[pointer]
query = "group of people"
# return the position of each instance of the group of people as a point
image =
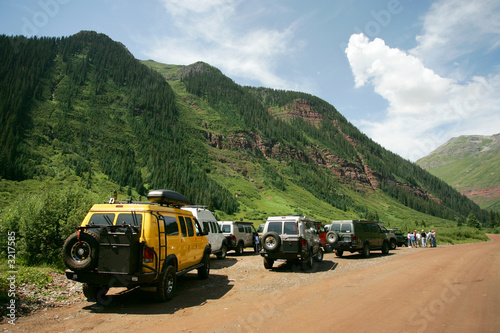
(422, 239)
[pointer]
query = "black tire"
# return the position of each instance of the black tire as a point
(81, 255)
(166, 285)
(328, 248)
(366, 250)
(239, 249)
(204, 272)
(96, 293)
(271, 241)
(332, 237)
(339, 253)
(393, 245)
(318, 257)
(268, 263)
(223, 252)
(309, 262)
(385, 248)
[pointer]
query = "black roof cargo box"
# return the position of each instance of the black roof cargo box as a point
(168, 197)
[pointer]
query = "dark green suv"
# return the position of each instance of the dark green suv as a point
(357, 236)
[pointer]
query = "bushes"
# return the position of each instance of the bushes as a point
(461, 236)
(42, 222)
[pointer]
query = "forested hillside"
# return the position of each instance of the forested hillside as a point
(81, 114)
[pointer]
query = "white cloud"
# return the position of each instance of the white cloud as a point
(211, 31)
(454, 28)
(424, 109)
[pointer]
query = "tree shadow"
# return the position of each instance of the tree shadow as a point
(190, 292)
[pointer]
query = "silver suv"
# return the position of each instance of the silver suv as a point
(291, 238)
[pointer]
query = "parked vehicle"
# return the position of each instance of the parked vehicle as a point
(320, 229)
(357, 236)
(291, 238)
(401, 238)
(211, 229)
(239, 235)
(391, 237)
(125, 245)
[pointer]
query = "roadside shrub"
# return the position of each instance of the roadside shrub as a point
(42, 222)
(461, 235)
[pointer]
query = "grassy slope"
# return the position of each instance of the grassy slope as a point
(467, 163)
(259, 199)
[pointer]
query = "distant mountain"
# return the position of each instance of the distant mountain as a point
(471, 164)
(82, 111)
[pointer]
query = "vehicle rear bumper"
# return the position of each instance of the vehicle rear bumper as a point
(285, 256)
(111, 279)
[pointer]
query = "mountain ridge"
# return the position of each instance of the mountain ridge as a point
(101, 117)
(470, 164)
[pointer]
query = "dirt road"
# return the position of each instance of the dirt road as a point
(443, 289)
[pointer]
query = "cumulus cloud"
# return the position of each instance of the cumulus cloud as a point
(424, 109)
(212, 31)
(452, 29)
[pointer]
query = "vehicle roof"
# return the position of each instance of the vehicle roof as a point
(357, 221)
(137, 207)
(236, 222)
(295, 218)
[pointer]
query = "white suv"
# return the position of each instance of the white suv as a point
(239, 235)
(291, 238)
(211, 229)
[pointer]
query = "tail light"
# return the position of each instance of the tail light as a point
(353, 237)
(149, 254)
(303, 243)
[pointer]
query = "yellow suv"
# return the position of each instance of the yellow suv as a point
(129, 244)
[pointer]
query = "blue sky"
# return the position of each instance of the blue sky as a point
(410, 74)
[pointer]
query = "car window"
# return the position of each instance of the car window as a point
(275, 226)
(335, 227)
(226, 228)
(171, 226)
(129, 219)
(290, 228)
(197, 227)
(346, 227)
(189, 224)
(101, 219)
(206, 225)
(183, 226)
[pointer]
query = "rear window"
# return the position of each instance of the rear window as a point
(101, 219)
(226, 228)
(275, 226)
(335, 227)
(290, 228)
(129, 219)
(346, 227)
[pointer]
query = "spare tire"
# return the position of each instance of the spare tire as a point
(80, 255)
(332, 237)
(271, 241)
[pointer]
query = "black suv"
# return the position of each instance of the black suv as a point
(357, 236)
(291, 238)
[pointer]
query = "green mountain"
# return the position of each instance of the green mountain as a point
(82, 112)
(471, 165)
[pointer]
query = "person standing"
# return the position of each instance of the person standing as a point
(433, 238)
(423, 237)
(256, 242)
(412, 238)
(417, 239)
(409, 239)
